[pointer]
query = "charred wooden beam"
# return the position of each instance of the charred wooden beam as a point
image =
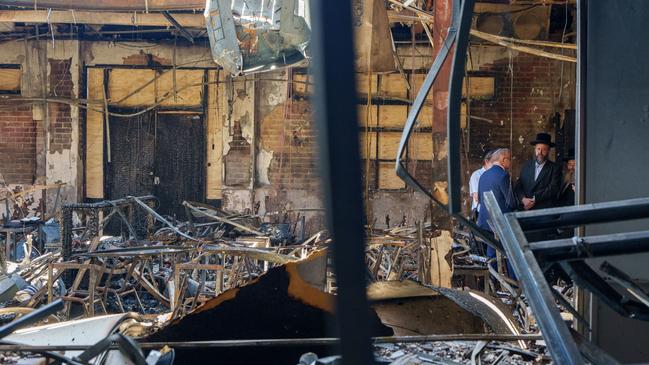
(101, 18)
(128, 5)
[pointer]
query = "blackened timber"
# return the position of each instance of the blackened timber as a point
(179, 27)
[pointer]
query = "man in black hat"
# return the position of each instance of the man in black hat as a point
(567, 191)
(540, 179)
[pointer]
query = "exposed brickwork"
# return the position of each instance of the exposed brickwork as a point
(17, 143)
(531, 103)
(237, 161)
(60, 120)
(289, 132)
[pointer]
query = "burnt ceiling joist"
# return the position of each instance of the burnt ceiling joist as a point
(111, 5)
(100, 18)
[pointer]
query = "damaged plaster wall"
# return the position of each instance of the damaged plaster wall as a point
(62, 164)
(288, 134)
(238, 143)
(54, 69)
(270, 152)
(56, 153)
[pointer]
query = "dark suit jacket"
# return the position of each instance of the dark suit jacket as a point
(545, 188)
(566, 195)
(497, 180)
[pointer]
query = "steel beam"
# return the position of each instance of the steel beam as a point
(178, 26)
(585, 277)
(454, 108)
(582, 214)
(554, 330)
(578, 248)
(627, 283)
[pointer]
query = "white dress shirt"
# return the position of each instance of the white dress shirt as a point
(538, 169)
(473, 185)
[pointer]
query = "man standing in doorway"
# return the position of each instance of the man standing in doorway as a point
(540, 179)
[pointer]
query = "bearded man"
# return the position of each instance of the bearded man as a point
(540, 179)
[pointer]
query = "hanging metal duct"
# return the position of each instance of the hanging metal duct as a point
(248, 36)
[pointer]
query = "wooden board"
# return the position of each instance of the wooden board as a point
(196, 20)
(416, 81)
(388, 145)
(388, 178)
(10, 79)
(95, 137)
(425, 117)
(123, 82)
(420, 146)
(441, 269)
(393, 85)
(214, 142)
(364, 83)
(365, 138)
(393, 116)
(188, 88)
(302, 84)
(463, 115)
(363, 120)
(421, 59)
(479, 87)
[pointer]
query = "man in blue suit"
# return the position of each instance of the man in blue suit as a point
(498, 181)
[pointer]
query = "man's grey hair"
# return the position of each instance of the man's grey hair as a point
(498, 153)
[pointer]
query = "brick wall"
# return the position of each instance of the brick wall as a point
(237, 161)
(17, 143)
(530, 103)
(289, 132)
(60, 121)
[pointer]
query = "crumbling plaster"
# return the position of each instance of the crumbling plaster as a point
(65, 166)
(52, 166)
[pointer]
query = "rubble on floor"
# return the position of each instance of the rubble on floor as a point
(458, 352)
(222, 276)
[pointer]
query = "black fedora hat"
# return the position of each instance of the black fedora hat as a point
(543, 138)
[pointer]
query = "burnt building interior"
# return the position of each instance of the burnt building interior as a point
(314, 182)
